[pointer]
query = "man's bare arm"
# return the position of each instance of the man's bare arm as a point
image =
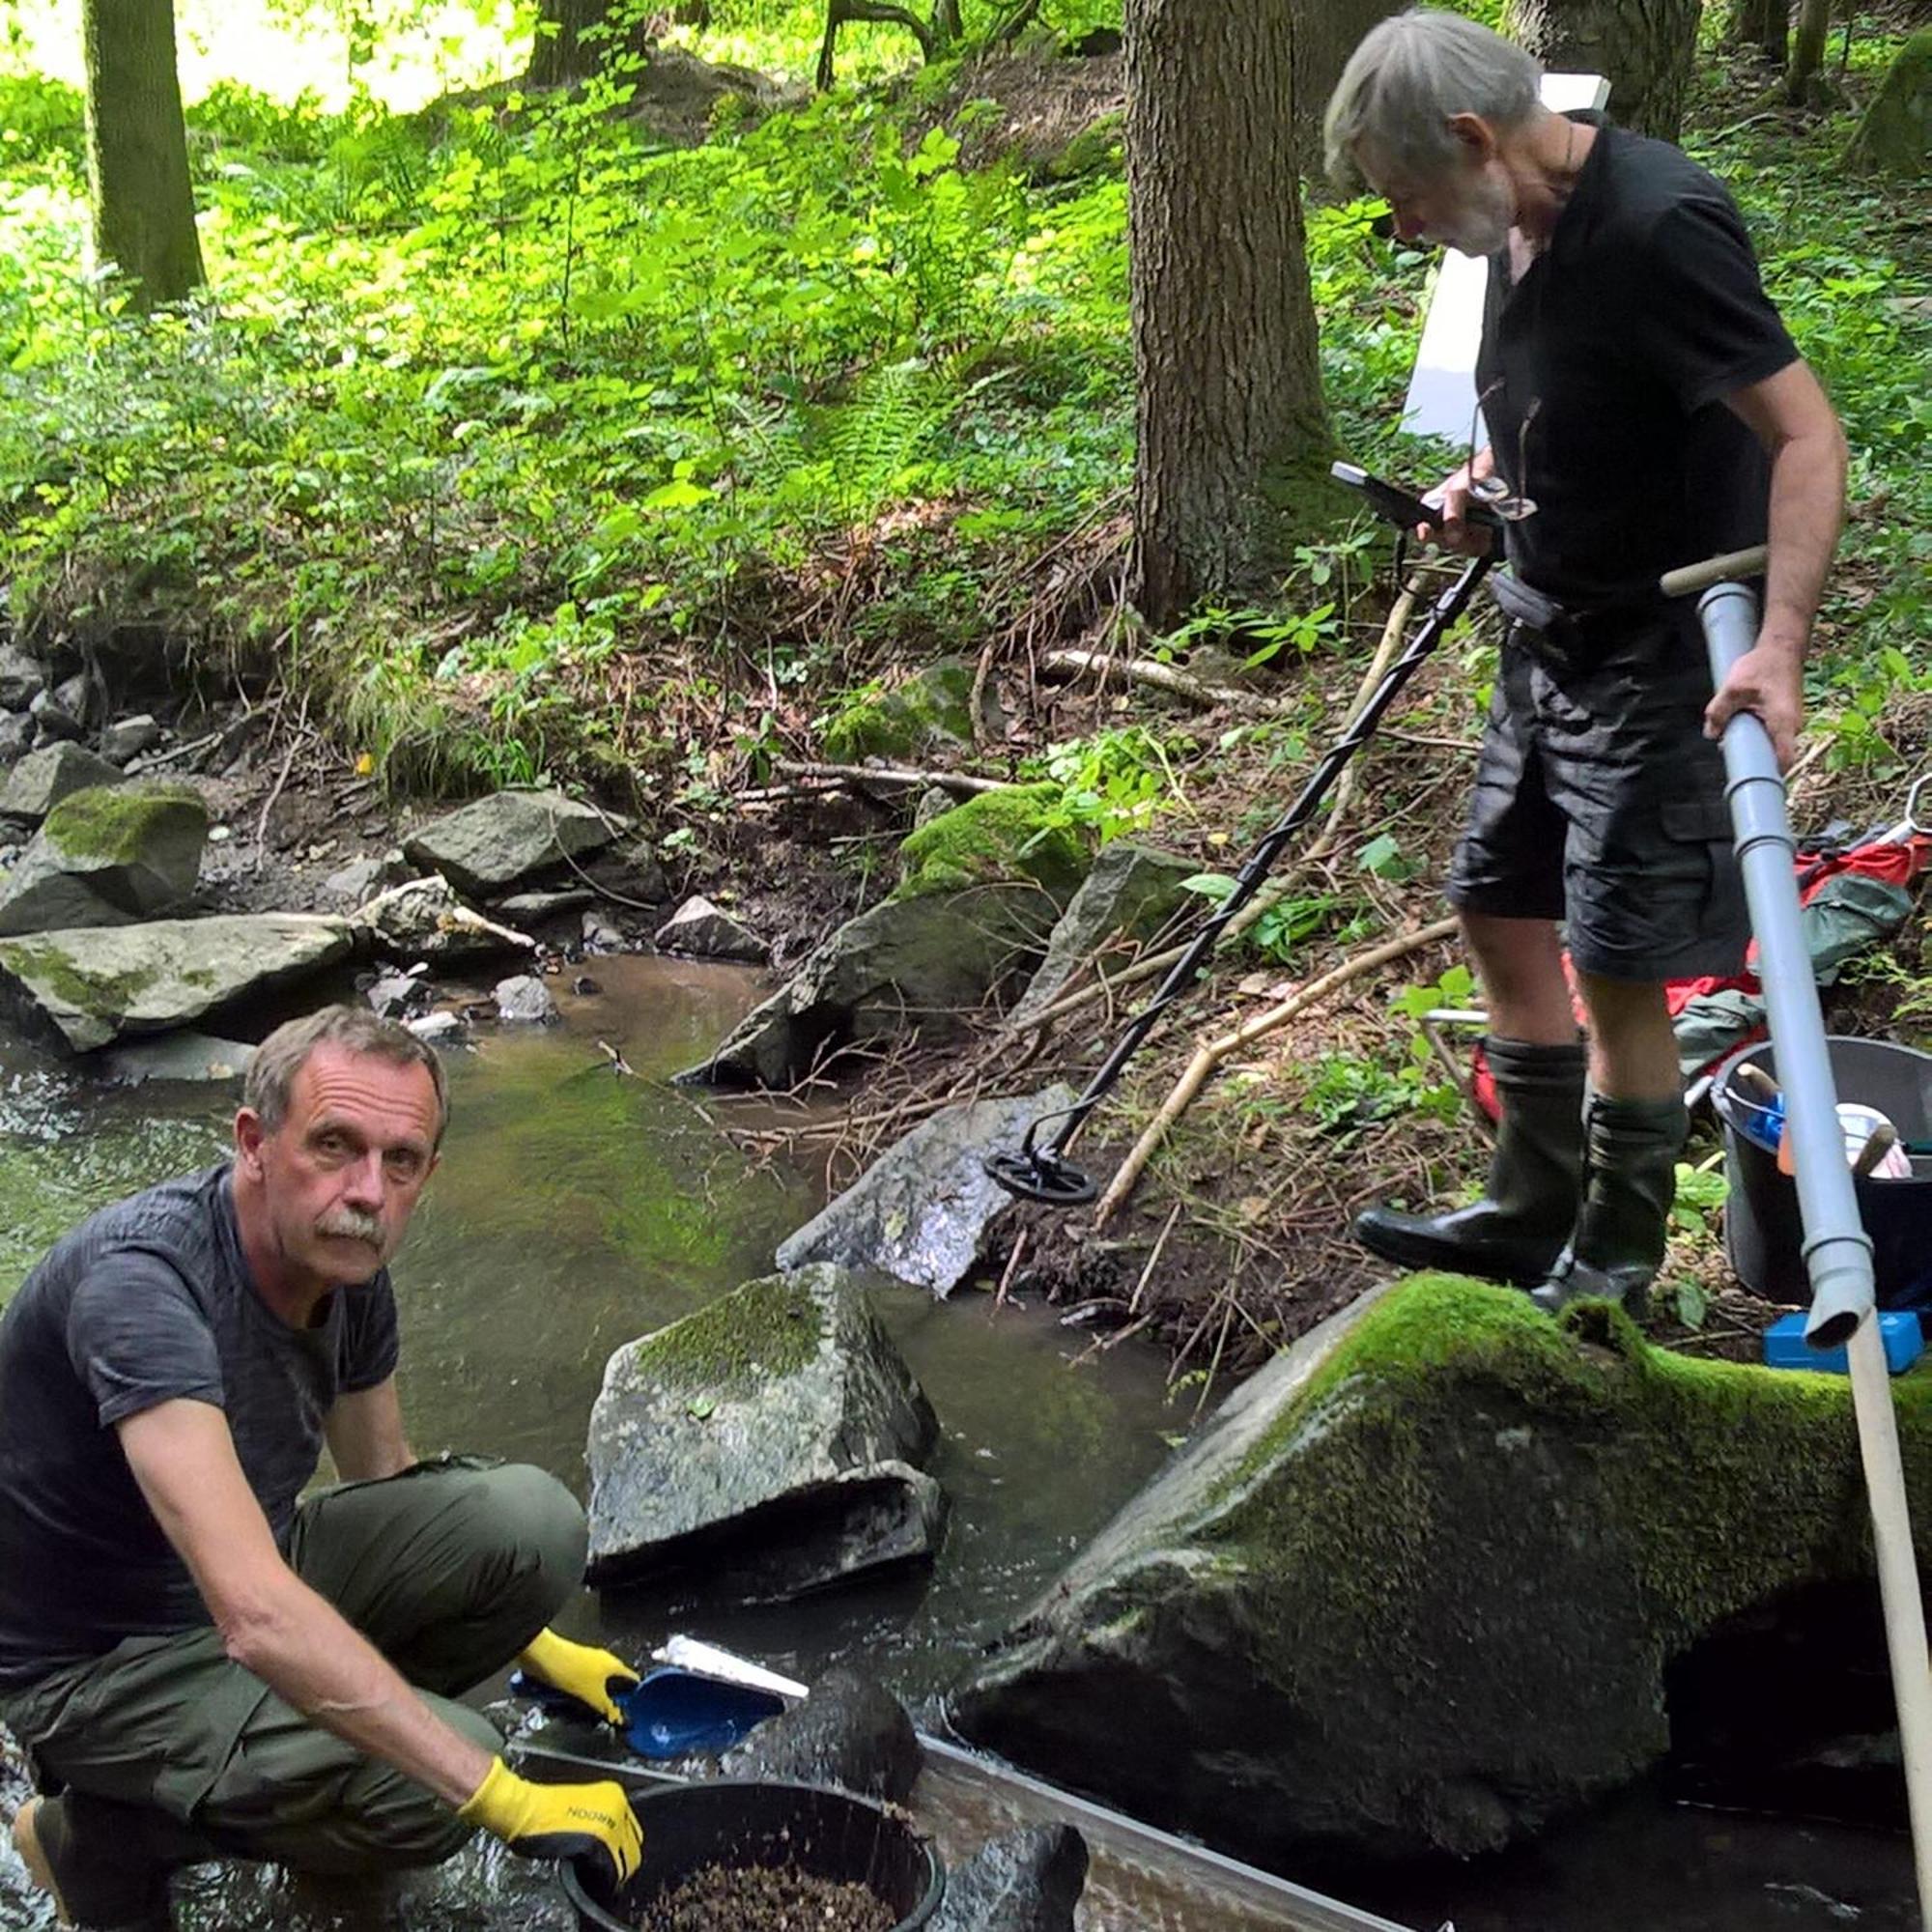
(271, 1623)
(365, 1435)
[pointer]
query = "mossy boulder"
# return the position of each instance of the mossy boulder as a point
(997, 838)
(1894, 133)
(769, 1442)
(107, 855)
(1416, 1587)
(932, 710)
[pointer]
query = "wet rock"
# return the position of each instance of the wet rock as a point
(850, 1732)
(921, 1211)
(22, 678)
(600, 936)
(532, 908)
(95, 984)
(425, 919)
(76, 697)
(699, 930)
(584, 987)
(440, 1029)
(398, 996)
(1132, 890)
(1418, 1585)
(52, 719)
(17, 736)
(1029, 1881)
(631, 870)
(108, 855)
(180, 1056)
(44, 778)
(1894, 133)
(526, 1001)
(484, 848)
(128, 738)
(767, 1442)
(352, 884)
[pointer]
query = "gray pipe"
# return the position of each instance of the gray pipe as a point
(1837, 1250)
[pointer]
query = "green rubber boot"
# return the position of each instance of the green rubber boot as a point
(1631, 1150)
(1517, 1231)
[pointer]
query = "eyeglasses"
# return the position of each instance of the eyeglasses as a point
(1492, 490)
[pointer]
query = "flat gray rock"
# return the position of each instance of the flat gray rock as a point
(484, 848)
(44, 778)
(95, 984)
(526, 1001)
(179, 1056)
(921, 1211)
(767, 1442)
(700, 930)
(528, 908)
(129, 738)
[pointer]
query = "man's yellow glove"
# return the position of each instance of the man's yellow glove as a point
(590, 1675)
(558, 1820)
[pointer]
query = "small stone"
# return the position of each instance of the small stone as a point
(440, 1029)
(584, 987)
(129, 738)
(600, 935)
(22, 678)
(17, 736)
(53, 719)
(524, 1001)
(218, 834)
(699, 930)
(397, 995)
(528, 908)
(76, 696)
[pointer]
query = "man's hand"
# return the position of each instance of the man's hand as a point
(590, 1675)
(1452, 497)
(558, 1820)
(1768, 680)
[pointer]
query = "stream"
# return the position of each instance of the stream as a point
(576, 1209)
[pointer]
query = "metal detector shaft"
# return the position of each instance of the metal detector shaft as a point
(1045, 1159)
(1837, 1251)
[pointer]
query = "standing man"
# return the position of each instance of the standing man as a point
(197, 1664)
(1642, 393)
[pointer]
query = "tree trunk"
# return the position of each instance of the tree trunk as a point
(1802, 79)
(137, 150)
(1763, 24)
(561, 54)
(1646, 47)
(1228, 389)
(1326, 36)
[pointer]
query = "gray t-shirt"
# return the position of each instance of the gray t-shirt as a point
(149, 1300)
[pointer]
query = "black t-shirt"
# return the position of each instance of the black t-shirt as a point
(1602, 374)
(146, 1301)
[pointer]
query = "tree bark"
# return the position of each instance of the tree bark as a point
(143, 203)
(839, 11)
(1326, 36)
(1646, 47)
(1228, 389)
(1764, 24)
(560, 55)
(1808, 51)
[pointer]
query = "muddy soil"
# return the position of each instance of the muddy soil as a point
(722, 1900)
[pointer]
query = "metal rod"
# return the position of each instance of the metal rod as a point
(1261, 861)
(1837, 1251)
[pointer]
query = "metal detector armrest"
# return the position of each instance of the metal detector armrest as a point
(1404, 507)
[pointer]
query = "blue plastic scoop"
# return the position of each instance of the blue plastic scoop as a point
(669, 1713)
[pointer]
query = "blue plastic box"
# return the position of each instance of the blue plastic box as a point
(1898, 1328)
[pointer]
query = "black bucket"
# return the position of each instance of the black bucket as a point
(739, 1823)
(1763, 1235)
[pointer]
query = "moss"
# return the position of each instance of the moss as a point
(113, 823)
(1895, 135)
(934, 708)
(1098, 148)
(998, 838)
(109, 995)
(1719, 1483)
(763, 1332)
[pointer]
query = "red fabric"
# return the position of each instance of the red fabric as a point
(1897, 863)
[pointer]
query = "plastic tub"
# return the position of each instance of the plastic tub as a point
(1763, 1235)
(744, 1823)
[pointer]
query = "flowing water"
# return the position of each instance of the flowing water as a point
(576, 1209)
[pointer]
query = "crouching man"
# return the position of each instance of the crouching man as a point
(196, 1663)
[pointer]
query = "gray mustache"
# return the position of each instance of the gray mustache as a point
(356, 1225)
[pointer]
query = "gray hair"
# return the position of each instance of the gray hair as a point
(1406, 80)
(271, 1073)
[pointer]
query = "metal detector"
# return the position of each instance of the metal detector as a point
(1040, 1170)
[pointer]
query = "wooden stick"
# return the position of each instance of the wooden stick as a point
(1162, 678)
(865, 775)
(1207, 1057)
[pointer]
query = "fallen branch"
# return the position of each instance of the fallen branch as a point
(1209, 1057)
(1162, 678)
(862, 776)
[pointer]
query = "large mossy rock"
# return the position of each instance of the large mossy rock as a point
(485, 848)
(99, 984)
(982, 888)
(769, 1443)
(1894, 133)
(932, 710)
(108, 855)
(1416, 1587)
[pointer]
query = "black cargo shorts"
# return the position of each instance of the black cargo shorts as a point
(1599, 802)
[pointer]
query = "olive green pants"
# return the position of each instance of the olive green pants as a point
(164, 1752)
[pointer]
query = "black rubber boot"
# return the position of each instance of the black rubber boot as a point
(98, 1871)
(1515, 1232)
(1631, 1150)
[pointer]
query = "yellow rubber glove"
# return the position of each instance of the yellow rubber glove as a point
(558, 1820)
(590, 1675)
